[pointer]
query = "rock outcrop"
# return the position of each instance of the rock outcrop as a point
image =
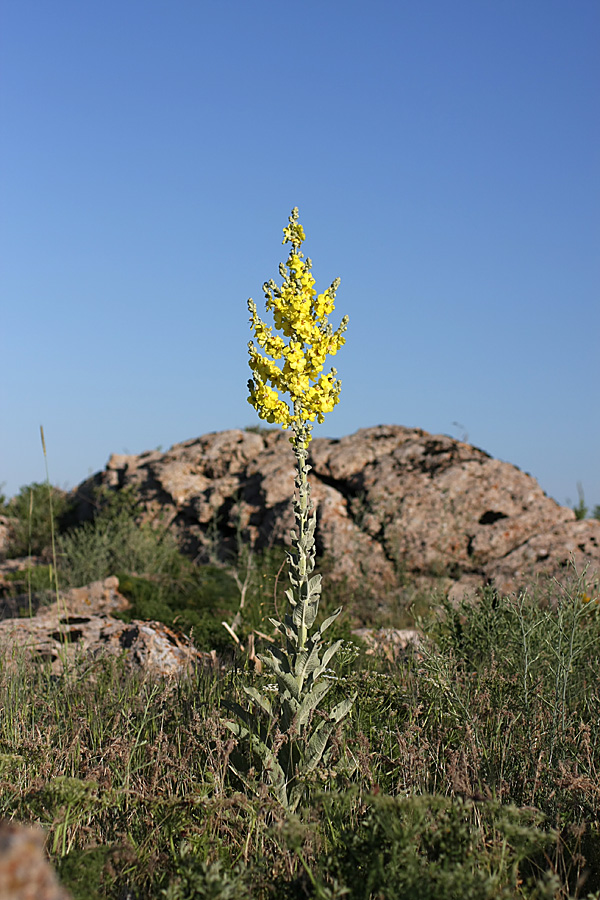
(25, 873)
(82, 624)
(392, 503)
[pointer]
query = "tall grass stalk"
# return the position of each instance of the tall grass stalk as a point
(29, 561)
(51, 509)
(65, 612)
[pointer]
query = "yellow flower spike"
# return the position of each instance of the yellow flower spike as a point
(306, 339)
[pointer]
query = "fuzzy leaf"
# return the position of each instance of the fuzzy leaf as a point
(331, 651)
(269, 760)
(309, 668)
(311, 701)
(286, 680)
(316, 745)
(280, 668)
(306, 612)
(287, 630)
(314, 585)
(300, 665)
(252, 725)
(278, 659)
(298, 614)
(312, 609)
(259, 698)
(237, 729)
(325, 624)
(288, 689)
(313, 661)
(338, 712)
(274, 772)
(318, 671)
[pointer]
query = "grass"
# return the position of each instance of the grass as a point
(470, 769)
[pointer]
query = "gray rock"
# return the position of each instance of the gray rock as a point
(393, 504)
(81, 624)
(25, 873)
(393, 643)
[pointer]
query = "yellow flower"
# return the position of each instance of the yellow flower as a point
(300, 314)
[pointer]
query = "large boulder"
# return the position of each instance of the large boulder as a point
(392, 504)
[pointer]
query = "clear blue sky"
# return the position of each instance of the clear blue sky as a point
(445, 160)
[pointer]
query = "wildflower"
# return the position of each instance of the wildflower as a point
(302, 316)
(294, 748)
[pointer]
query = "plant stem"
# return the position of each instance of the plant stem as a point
(302, 556)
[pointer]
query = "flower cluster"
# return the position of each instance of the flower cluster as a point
(300, 314)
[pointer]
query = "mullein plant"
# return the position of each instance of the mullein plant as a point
(289, 732)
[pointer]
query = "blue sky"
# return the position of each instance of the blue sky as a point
(444, 157)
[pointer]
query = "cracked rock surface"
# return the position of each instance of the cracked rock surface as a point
(392, 503)
(82, 624)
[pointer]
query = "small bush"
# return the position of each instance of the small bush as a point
(30, 509)
(114, 542)
(545, 643)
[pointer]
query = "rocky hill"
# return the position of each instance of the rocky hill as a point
(392, 503)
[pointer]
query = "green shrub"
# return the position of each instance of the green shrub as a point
(196, 879)
(431, 848)
(34, 583)
(86, 872)
(114, 542)
(30, 509)
(533, 636)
